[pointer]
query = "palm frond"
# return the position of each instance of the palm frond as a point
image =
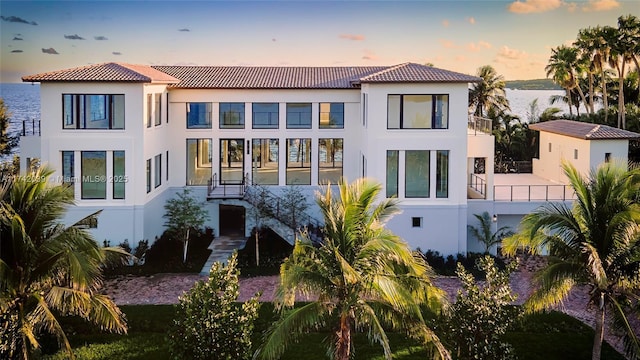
(620, 321)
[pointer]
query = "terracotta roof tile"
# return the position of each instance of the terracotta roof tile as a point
(583, 130)
(410, 72)
(113, 72)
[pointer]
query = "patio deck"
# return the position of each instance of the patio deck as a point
(528, 187)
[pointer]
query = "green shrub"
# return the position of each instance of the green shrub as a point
(482, 315)
(209, 322)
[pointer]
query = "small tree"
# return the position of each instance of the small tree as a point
(485, 233)
(295, 204)
(481, 315)
(7, 142)
(184, 213)
(261, 200)
(210, 324)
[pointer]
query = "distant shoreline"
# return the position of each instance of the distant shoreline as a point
(536, 84)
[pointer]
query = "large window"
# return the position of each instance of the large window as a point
(199, 115)
(265, 115)
(119, 177)
(92, 111)
(392, 173)
(442, 173)
(157, 114)
(68, 165)
(198, 161)
(298, 161)
(231, 161)
(157, 170)
(94, 174)
(265, 161)
(417, 112)
(231, 115)
(299, 116)
(416, 174)
(330, 152)
(331, 115)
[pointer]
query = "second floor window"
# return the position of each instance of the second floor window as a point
(231, 115)
(299, 116)
(265, 115)
(418, 112)
(92, 111)
(198, 115)
(331, 115)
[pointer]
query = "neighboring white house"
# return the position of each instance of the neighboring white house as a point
(127, 137)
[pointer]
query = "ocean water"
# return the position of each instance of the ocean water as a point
(23, 102)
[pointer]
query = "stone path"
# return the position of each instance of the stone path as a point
(221, 248)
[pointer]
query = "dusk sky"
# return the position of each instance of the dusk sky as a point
(515, 37)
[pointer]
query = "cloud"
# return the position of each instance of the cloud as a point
(100, 37)
(369, 55)
(471, 20)
(445, 23)
(274, 39)
(184, 30)
(508, 53)
(50, 51)
(16, 51)
(473, 47)
(461, 58)
(533, 6)
(116, 53)
(354, 37)
(16, 19)
(601, 5)
(73, 37)
(15, 38)
(447, 44)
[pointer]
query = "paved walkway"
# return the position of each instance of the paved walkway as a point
(221, 248)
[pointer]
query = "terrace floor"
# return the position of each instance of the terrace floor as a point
(528, 187)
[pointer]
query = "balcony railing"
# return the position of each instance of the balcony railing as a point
(533, 193)
(30, 128)
(227, 189)
(479, 126)
(478, 184)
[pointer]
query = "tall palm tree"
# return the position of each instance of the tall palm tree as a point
(364, 277)
(563, 66)
(489, 93)
(601, 57)
(587, 44)
(595, 243)
(624, 50)
(47, 269)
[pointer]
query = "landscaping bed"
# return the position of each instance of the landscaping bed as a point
(545, 336)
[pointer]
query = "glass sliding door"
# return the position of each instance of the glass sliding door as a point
(231, 161)
(265, 161)
(329, 161)
(298, 161)
(198, 161)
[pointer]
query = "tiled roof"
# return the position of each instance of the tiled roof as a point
(255, 77)
(268, 77)
(583, 130)
(112, 72)
(410, 72)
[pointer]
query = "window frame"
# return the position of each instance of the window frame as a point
(442, 194)
(397, 174)
(434, 121)
(222, 115)
(208, 114)
(91, 177)
(330, 112)
(320, 167)
(118, 178)
(66, 177)
(308, 143)
(157, 171)
(300, 125)
(80, 104)
(200, 164)
(260, 143)
(271, 125)
(406, 172)
(148, 173)
(157, 105)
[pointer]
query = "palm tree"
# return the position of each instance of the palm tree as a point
(601, 57)
(489, 93)
(365, 278)
(47, 268)
(587, 44)
(485, 233)
(562, 67)
(595, 243)
(624, 50)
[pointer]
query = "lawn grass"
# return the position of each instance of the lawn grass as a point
(546, 336)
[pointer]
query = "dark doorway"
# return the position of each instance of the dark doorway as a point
(232, 220)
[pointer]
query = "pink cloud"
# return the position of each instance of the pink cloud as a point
(508, 53)
(601, 5)
(533, 6)
(354, 37)
(445, 23)
(447, 43)
(471, 20)
(369, 55)
(473, 47)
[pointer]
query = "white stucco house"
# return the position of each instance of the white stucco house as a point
(127, 137)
